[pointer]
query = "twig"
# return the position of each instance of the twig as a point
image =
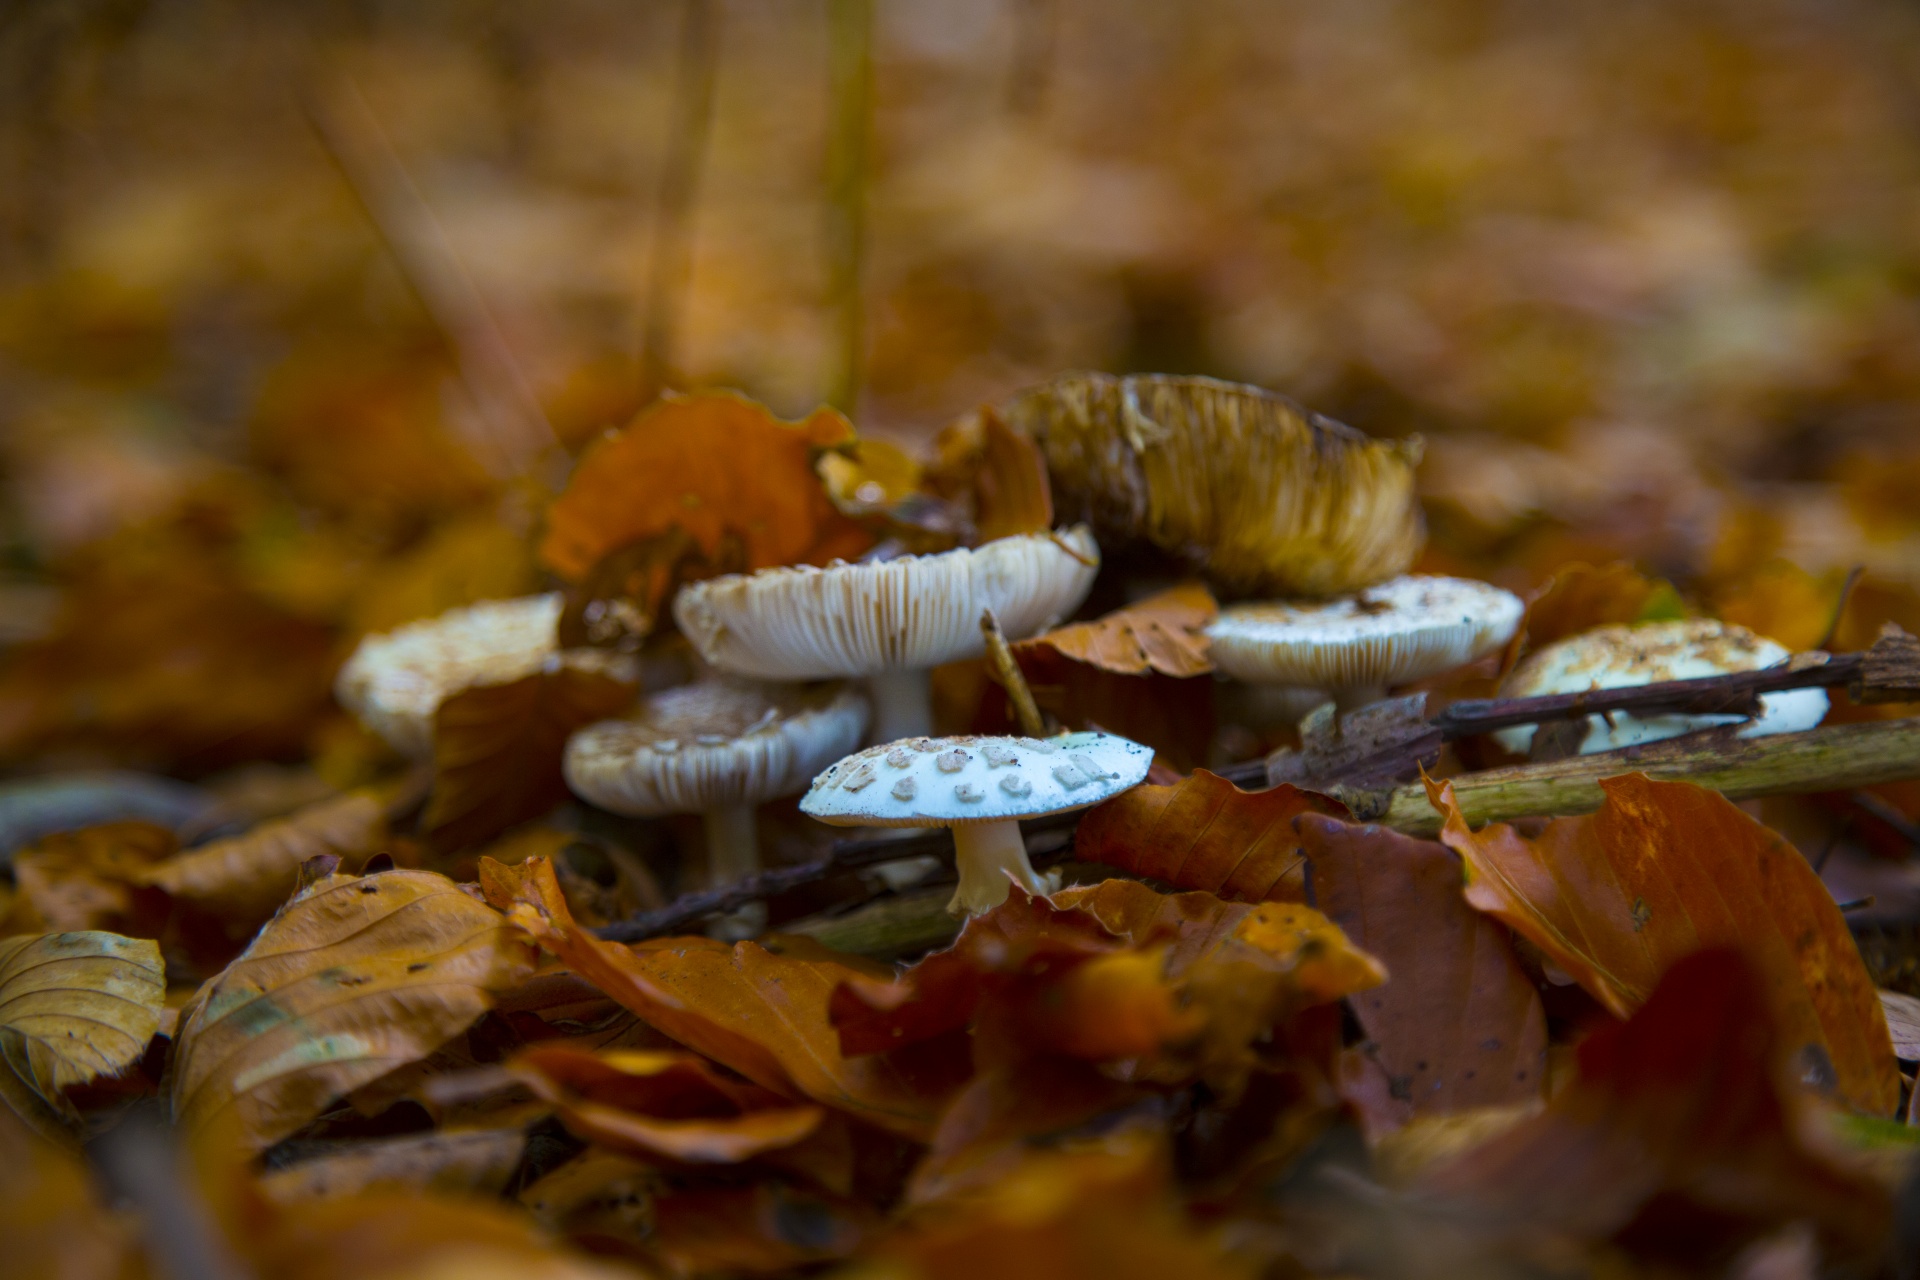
(688, 131)
(850, 57)
(1840, 606)
(1007, 674)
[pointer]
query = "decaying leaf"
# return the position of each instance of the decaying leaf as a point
(715, 464)
(1663, 869)
(73, 1007)
(477, 1161)
(88, 879)
(242, 880)
(497, 749)
(1165, 633)
(1205, 833)
(355, 977)
(1239, 484)
(759, 1011)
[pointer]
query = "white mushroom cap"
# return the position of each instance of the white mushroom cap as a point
(1404, 629)
(714, 744)
(913, 612)
(1619, 657)
(394, 681)
(950, 782)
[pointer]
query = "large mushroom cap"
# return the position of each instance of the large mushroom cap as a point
(912, 612)
(947, 782)
(1620, 657)
(713, 744)
(395, 680)
(1401, 630)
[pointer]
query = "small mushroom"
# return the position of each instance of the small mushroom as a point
(1402, 630)
(396, 680)
(717, 748)
(1623, 656)
(888, 620)
(981, 787)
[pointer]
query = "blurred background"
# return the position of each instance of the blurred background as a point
(291, 296)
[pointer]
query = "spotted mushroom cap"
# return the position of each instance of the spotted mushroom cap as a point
(806, 623)
(1404, 629)
(1620, 657)
(713, 744)
(395, 680)
(946, 782)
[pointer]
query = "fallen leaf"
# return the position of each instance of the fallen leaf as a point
(479, 1161)
(1678, 1138)
(1238, 484)
(715, 464)
(51, 1216)
(354, 978)
(759, 1011)
(88, 879)
(1663, 869)
(243, 880)
(1165, 633)
(879, 482)
(1175, 715)
(766, 1228)
(623, 598)
(1580, 597)
(74, 1007)
(1458, 1024)
(465, 560)
(1205, 833)
(1783, 602)
(497, 749)
(1011, 493)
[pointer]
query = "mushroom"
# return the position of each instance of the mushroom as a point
(1621, 656)
(1405, 629)
(395, 681)
(981, 787)
(888, 620)
(716, 748)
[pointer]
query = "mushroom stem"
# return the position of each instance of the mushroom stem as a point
(902, 704)
(733, 845)
(986, 852)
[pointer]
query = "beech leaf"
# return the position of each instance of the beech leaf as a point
(1165, 633)
(1662, 870)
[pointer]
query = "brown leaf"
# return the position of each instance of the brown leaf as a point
(1174, 715)
(1165, 633)
(1457, 1024)
(1011, 494)
(479, 1161)
(879, 482)
(74, 1007)
(472, 558)
(623, 598)
(1662, 870)
(1679, 1136)
(1205, 833)
(1238, 484)
(715, 464)
(497, 749)
(242, 880)
(765, 1228)
(1580, 597)
(88, 879)
(759, 1011)
(357, 976)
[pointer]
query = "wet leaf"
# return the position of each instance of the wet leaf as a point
(1164, 633)
(497, 749)
(354, 978)
(74, 1007)
(715, 464)
(1236, 483)
(1457, 1024)
(1205, 833)
(1664, 869)
(758, 1011)
(88, 879)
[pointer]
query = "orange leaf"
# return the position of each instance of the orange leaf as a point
(1783, 602)
(624, 596)
(1205, 833)
(1663, 869)
(1679, 1117)
(87, 879)
(1010, 490)
(761, 1012)
(497, 749)
(1163, 633)
(1580, 597)
(714, 464)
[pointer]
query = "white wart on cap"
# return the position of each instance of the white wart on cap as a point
(981, 787)
(890, 619)
(1405, 629)
(395, 681)
(1621, 657)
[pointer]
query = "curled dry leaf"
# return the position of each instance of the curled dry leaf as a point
(1205, 833)
(73, 1007)
(497, 749)
(759, 1011)
(1239, 484)
(356, 977)
(89, 879)
(714, 464)
(1165, 633)
(1664, 868)
(243, 879)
